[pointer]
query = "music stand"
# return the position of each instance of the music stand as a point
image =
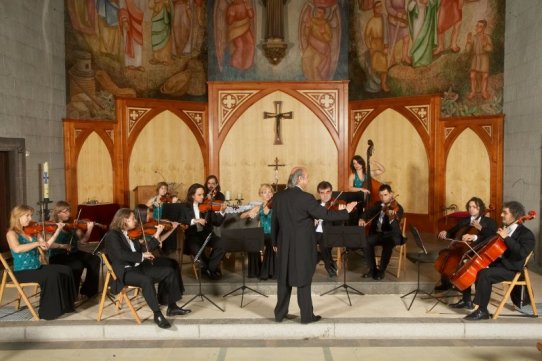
(345, 237)
(198, 263)
(242, 240)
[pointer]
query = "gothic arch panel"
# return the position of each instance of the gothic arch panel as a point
(94, 171)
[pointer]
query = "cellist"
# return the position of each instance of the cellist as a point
(475, 229)
(520, 243)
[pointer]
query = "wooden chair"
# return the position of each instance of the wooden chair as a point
(121, 296)
(10, 281)
(398, 256)
(521, 278)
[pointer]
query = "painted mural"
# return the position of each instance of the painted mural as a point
(415, 47)
(133, 48)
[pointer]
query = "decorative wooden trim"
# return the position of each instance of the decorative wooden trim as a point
(133, 115)
(423, 114)
(229, 101)
(198, 119)
(358, 117)
(327, 101)
(448, 131)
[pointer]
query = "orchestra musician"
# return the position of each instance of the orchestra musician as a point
(325, 190)
(385, 231)
(131, 263)
(160, 234)
(212, 189)
(200, 218)
(520, 243)
(292, 232)
(358, 182)
(474, 229)
(65, 250)
(263, 269)
(56, 281)
(162, 196)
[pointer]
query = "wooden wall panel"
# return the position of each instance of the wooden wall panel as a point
(95, 171)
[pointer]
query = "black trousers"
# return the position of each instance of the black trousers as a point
(325, 252)
(78, 261)
(388, 241)
(304, 299)
(146, 275)
(193, 244)
(486, 278)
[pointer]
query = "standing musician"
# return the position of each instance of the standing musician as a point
(212, 189)
(65, 250)
(520, 243)
(474, 229)
(162, 196)
(128, 259)
(385, 231)
(200, 218)
(325, 190)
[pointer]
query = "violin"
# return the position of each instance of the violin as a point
(210, 205)
(167, 198)
(82, 224)
(333, 204)
(34, 228)
(393, 206)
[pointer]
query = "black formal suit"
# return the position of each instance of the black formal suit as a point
(325, 252)
(519, 245)
(384, 232)
(292, 231)
(194, 238)
(145, 274)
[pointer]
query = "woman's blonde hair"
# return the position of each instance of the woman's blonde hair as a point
(60, 206)
(16, 213)
(264, 187)
(119, 219)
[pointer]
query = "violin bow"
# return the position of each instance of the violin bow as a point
(335, 200)
(75, 222)
(143, 234)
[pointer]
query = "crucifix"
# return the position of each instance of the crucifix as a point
(276, 165)
(278, 116)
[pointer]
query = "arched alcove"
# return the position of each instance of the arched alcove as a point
(94, 171)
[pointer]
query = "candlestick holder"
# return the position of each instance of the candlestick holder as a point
(239, 201)
(44, 208)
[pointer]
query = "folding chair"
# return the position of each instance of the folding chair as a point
(121, 296)
(521, 278)
(399, 253)
(13, 283)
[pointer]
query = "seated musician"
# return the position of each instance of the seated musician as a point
(325, 190)
(256, 267)
(200, 226)
(385, 231)
(132, 265)
(520, 243)
(212, 189)
(160, 234)
(66, 251)
(474, 229)
(162, 196)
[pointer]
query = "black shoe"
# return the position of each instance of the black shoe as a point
(369, 274)
(331, 272)
(161, 321)
(462, 304)
(443, 287)
(213, 275)
(477, 315)
(378, 275)
(177, 311)
(314, 318)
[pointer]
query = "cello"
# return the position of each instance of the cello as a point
(465, 276)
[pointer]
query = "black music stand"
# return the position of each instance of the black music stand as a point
(242, 240)
(345, 237)
(198, 263)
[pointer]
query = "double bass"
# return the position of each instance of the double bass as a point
(493, 249)
(370, 183)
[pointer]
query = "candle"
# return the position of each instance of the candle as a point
(239, 196)
(227, 195)
(46, 180)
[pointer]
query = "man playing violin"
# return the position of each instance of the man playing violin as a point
(384, 218)
(212, 189)
(200, 218)
(325, 190)
(66, 251)
(520, 243)
(474, 229)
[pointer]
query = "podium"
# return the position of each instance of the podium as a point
(345, 237)
(141, 194)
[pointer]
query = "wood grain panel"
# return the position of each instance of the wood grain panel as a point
(94, 171)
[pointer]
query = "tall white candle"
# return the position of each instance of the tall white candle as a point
(46, 180)
(227, 195)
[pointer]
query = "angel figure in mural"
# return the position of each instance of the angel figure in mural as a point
(480, 46)
(422, 24)
(108, 26)
(161, 23)
(450, 15)
(234, 23)
(377, 50)
(131, 16)
(320, 38)
(398, 30)
(182, 27)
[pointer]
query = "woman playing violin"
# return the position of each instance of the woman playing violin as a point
(256, 268)
(520, 243)
(162, 196)
(66, 251)
(56, 281)
(200, 225)
(212, 189)
(153, 241)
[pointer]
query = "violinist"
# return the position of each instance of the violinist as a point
(263, 269)
(520, 243)
(56, 281)
(201, 218)
(325, 190)
(212, 189)
(66, 251)
(128, 261)
(162, 196)
(154, 243)
(475, 229)
(384, 219)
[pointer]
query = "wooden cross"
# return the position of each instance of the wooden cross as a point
(276, 165)
(278, 116)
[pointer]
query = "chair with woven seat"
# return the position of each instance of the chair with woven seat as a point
(521, 278)
(121, 297)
